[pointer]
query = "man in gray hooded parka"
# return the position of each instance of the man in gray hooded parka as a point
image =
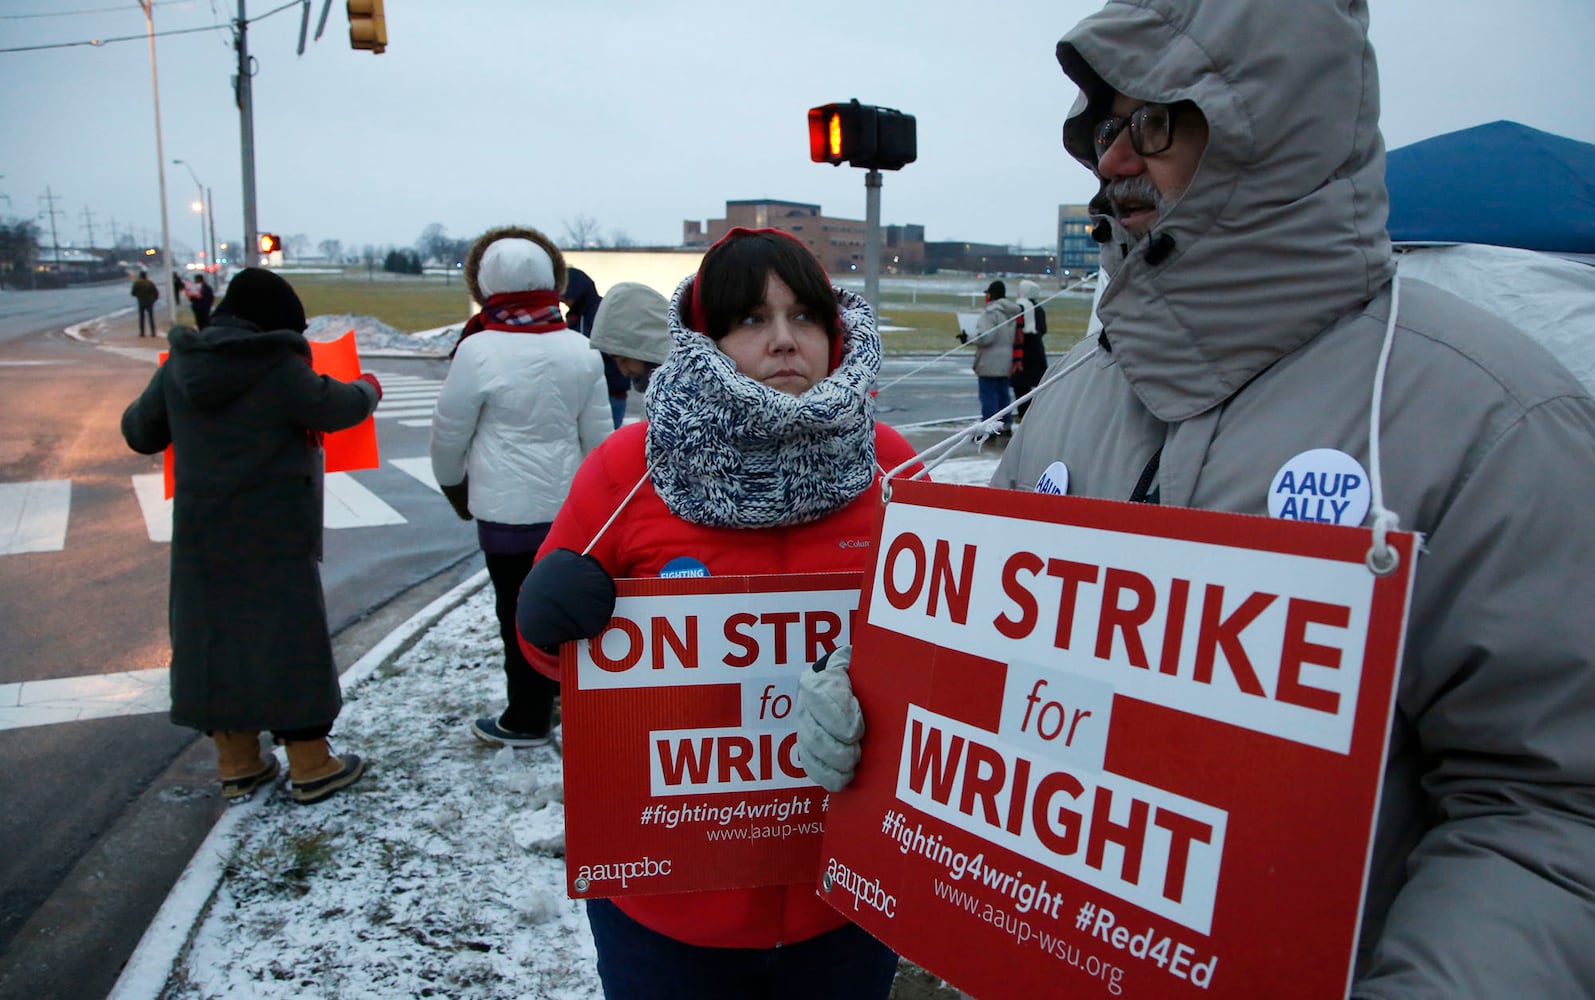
(1250, 302)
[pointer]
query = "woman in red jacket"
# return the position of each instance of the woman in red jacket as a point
(759, 457)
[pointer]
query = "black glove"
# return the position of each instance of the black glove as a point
(459, 497)
(566, 596)
(963, 338)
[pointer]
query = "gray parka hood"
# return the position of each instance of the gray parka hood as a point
(633, 322)
(1282, 229)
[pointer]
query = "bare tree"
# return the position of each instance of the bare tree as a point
(332, 250)
(621, 240)
(434, 243)
(582, 232)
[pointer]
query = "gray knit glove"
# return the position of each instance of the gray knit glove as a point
(829, 723)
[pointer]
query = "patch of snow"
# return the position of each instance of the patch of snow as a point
(372, 335)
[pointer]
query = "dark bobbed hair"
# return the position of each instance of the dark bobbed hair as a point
(730, 282)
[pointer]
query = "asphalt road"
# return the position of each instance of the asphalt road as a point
(100, 816)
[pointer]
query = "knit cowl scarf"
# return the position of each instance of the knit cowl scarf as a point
(727, 451)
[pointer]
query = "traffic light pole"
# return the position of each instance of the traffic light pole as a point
(872, 239)
(246, 131)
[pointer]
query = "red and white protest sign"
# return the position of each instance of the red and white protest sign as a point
(681, 762)
(1116, 749)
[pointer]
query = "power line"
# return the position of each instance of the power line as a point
(96, 10)
(99, 42)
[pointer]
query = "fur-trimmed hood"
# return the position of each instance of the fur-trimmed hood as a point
(473, 259)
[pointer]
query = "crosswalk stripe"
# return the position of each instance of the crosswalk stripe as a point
(420, 468)
(416, 423)
(157, 509)
(405, 412)
(73, 699)
(33, 516)
(350, 505)
(347, 505)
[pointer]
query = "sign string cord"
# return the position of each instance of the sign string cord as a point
(1382, 559)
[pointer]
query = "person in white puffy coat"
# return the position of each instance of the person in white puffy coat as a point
(524, 402)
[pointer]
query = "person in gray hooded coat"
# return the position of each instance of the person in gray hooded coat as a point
(1250, 302)
(632, 328)
(244, 413)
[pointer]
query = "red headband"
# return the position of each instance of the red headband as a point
(695, 302)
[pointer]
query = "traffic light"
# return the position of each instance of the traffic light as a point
(862, 135)
(368, 28)
(270, 243)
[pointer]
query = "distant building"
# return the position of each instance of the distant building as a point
(1077, 251)
(837, 243)
(985, 258)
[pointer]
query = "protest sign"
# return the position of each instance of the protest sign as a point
(1116, 749)
(346, 450)
(681, 764)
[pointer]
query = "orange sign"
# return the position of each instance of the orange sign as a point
(345, 450)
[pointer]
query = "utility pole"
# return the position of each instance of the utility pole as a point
(160, 165)
(872, 239)
(52, 212)
(88, 223)
(246, 131)
(210, 210)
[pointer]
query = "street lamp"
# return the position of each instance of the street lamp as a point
(202, 206)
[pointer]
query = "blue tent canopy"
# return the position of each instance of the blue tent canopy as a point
(1503, 184)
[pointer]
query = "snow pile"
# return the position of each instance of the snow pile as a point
(372, 335)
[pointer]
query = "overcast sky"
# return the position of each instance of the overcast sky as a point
(640, 115)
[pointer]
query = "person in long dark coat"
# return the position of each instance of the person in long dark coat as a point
(245, 413)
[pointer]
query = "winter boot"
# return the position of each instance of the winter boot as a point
(314, 772)
(240, 764)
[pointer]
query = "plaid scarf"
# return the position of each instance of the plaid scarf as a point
(515, 312)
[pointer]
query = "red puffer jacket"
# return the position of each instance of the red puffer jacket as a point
(647, 540)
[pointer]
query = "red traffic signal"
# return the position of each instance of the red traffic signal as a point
(862, 135)
(270, 243)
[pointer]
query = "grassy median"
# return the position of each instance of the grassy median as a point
(918, 321)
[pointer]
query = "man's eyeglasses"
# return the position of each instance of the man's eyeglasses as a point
(1151, 130)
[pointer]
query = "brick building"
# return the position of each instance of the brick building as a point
(837, 243)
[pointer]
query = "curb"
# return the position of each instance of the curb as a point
(149, 968)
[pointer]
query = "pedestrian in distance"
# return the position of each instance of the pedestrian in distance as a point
(244, 412)
(1253, 317)
(582, 300)
(759, 456)
(632, 327)
(1032, 326)
(145, 292)
(998, 348)
(200, 299)
(179, 288)
(523, 403)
